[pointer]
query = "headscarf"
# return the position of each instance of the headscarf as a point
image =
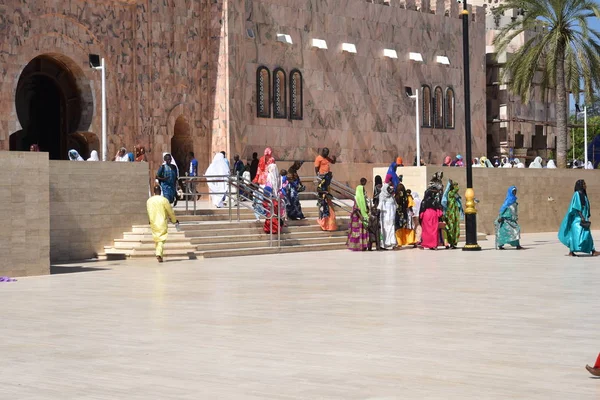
(399, 162)
(445, 195)
(511, 198)
(268, 152)
(537, 163)
(589, 165)
(218, 167)
(174, 163)
(34, 147)
(273, 178)
(447, 161)
(392, 172)
(476, 163)
(485, 163)
(551, 164)
(74, 155)
(93, 156)
(582, 192)
(361, 203)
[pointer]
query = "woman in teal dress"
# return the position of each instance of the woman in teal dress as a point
(508, 230)
(167, 176)
(575, 228)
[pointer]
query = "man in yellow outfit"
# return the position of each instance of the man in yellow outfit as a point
(159, 214)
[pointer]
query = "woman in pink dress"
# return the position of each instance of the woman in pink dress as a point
(431, 214)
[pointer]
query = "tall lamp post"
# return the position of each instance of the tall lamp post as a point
(585, 144)
(97, 63)
(470, 210)
(417, 124)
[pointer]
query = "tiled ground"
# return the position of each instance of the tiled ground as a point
(391, 325)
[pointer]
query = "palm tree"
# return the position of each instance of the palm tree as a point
(563, 55)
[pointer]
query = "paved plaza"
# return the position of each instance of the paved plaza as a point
(408, 324)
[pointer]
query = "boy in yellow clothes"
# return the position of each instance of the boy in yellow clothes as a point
(159, 214)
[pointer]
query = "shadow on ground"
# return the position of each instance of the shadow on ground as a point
(72, 269)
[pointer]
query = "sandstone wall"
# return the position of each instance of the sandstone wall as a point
(91, 204)
(24, 209)
(165, 61)
(354, 104)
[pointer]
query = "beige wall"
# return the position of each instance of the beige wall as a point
(91, 204)
(355, 104)
(24, 207)
(535, 187)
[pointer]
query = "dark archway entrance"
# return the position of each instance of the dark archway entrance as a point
(49, 107)
(182, 144)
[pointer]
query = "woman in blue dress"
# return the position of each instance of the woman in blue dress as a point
(507, 226)
(575, 228)
(167, 176)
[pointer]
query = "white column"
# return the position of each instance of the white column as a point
(585, 144)
(104, 140)
(418, 129)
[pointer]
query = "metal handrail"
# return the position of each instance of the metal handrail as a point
(335, 186)
(239, 185)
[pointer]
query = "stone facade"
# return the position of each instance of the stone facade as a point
(181, 75)
(355, 104)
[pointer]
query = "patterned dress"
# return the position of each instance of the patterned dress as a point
(453, 215)
(358, 235)
(507, 226)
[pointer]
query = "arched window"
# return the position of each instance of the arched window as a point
(426, 90)
(263, 92)
(279, 94)
(295, 94)
(449, 112)
(438, 108)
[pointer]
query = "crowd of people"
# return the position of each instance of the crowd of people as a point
(396, 217)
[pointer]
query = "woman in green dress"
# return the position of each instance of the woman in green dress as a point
(453, 213)
(508, 230)
(575, 228)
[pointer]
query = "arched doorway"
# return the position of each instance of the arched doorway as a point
(182, 144)
(49, 107)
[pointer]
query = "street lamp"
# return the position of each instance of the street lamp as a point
(98, 64)
(409, 94)
(470, 210)
(585, 145)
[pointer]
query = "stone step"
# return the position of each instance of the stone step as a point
(130, 245)
(271, 250)
(264, 236)
(265, 243)
(255, 230)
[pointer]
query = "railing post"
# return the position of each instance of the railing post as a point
(278, 221)
(238, 197)
(229, 196)
(271, 219)
(195, 196)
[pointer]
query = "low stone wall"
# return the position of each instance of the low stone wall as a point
(544, 195)
(24, 207)
(92, 203)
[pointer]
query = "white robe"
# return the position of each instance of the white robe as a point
(387, 206)
(218, 167)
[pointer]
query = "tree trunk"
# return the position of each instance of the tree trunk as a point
(561, 108)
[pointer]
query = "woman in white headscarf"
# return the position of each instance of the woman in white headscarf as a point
(518, 163)
(93, 156)
(273, 178)
(551, 164)
(218, 186)
(537, 163)
(476, 163)
(506, 163)
(74, 155)
(589, 165)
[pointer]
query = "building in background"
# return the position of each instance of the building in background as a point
(513, 127)
(240, 75)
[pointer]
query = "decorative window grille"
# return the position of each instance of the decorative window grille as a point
(438, 108)
(279, 94)
(449, 111)
(296, 95)
(263, 92)
(426, 90)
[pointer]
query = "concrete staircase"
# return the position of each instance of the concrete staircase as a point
(209, 234)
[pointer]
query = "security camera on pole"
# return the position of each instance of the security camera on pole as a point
(98, 64)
